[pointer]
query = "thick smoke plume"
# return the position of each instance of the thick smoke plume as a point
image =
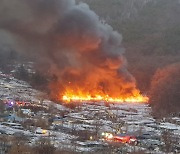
(70, 41)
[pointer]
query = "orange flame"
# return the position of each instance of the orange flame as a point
(72, 97)
(97, 85)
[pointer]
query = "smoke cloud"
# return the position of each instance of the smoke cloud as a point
(69, 40)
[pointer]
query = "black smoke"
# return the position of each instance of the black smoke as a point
(69, 40)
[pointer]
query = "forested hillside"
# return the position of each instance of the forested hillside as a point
(150, 30)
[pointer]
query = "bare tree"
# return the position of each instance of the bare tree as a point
(2, 107)
(165, 87)
(19, 144)
(44, 146)
(166, 137)
(3, 144)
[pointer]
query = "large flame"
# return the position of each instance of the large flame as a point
(97, 85)
(83, 97)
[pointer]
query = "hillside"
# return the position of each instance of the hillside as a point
(150, 29)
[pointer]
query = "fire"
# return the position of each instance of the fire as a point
(102, 85)
(81, 55)
(70, 97)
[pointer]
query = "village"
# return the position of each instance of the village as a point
(87, 127)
